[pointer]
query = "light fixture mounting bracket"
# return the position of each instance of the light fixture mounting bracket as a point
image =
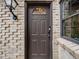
(9, 4)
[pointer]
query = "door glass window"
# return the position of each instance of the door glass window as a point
(39, 10)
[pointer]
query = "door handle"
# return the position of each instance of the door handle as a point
(49, 30)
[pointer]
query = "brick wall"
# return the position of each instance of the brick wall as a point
(56, 27)
(11, 32)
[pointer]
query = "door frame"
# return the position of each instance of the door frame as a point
(29, 3)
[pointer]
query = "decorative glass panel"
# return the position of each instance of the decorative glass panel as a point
(67, 27)
(39, 10)
(71, 27)
(69, 7)
(70, 18)
(65, 8)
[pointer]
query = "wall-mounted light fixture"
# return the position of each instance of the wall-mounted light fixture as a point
(9, 4)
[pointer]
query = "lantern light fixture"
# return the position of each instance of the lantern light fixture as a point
(9, 4)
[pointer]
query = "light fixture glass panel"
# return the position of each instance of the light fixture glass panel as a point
(8, 2)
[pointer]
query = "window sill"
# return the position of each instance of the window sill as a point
(71, 39)
(70, 46)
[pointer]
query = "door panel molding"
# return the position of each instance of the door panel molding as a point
(27, 4)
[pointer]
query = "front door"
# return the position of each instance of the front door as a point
(38, 32)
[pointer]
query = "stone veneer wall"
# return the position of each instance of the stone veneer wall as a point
(11, 32)
(56, 27)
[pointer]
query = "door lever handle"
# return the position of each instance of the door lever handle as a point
(49, 30)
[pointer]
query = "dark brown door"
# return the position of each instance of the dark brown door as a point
(38, 31)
